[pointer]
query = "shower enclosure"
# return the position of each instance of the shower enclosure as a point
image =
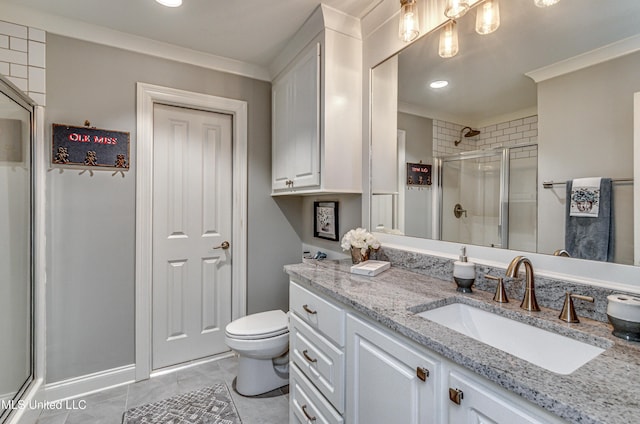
(16, 248)
(489, 197)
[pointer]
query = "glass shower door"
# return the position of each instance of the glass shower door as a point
(473, 199)
(16, 363)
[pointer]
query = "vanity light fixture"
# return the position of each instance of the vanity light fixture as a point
(409, 24)
(170, 3)
(454, 9)
(439, 84)
(545, 3)
(488, 17)
(448, 40)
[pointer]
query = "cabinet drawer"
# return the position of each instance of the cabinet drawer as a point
(319, 360)
(318, 313)
(305, 398)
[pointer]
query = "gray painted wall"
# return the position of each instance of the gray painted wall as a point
(349, 217)
(91, 219)
(585, 129)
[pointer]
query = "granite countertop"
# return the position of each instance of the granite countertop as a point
(606, 390)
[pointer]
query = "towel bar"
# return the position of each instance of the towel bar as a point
(550, 184)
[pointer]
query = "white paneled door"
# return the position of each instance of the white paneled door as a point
(192, 227)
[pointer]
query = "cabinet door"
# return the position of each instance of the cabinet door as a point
(296, 125)
(282, 147)
(383, 385)
(481, 405)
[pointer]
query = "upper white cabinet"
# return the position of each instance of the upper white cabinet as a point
(317, 108)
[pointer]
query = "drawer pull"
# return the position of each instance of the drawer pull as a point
(422, 373)
(307, 357)
(309, 311)
(306, 414)
(455, 395)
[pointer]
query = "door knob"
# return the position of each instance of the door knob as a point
(225, 245)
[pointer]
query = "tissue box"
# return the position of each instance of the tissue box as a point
(370, 268)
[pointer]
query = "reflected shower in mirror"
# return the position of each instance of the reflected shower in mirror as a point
(546, 97)
(16, 363)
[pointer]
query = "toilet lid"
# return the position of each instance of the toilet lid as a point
(259, 326)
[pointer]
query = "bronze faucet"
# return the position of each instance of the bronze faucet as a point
(529, 300)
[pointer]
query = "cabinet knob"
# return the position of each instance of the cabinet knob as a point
(455, 395)
(422, 373)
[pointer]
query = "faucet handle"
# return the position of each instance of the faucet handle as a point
(568, 312)
(501, 294)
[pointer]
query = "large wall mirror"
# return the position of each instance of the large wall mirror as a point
(546, 98)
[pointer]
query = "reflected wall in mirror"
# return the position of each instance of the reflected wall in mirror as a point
(546, 97)
(16, 362)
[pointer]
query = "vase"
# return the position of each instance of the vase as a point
(357, 256)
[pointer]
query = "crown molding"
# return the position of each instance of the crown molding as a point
(585, 60)
(100, 35)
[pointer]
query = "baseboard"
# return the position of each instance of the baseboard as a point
(90, 383)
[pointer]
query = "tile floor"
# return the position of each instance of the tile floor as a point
(107, 407)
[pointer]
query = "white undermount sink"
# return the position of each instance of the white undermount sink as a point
(556, 353)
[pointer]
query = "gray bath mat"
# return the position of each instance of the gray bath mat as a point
(211, 405)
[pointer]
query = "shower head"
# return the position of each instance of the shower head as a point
(470, 133)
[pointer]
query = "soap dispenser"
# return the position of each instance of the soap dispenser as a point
(464, 272)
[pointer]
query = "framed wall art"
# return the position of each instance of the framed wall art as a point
(325, 223)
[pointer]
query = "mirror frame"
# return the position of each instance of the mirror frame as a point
(380, 42)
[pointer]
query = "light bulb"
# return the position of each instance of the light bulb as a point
(456, 8)
(545, 3)
(448, 40)
(409, 24)
(488, 17)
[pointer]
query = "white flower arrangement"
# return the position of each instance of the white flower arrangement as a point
(360, 239)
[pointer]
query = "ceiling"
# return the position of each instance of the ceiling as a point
(251, 31)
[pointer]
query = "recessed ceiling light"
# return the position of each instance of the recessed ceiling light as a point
(170, 3)
(439, 84)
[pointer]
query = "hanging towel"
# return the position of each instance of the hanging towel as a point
(589, 232)
(585, 197)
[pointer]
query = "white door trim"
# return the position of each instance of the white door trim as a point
(147, 95)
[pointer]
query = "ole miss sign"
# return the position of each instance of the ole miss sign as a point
(90, 147)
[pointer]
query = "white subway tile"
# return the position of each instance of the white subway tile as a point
(21, 83)
(4, 69)
(13, 56)
(515, 137)
(19, 71)
(531, 119)
(497, 133)
(13, 30)
(516, 122)
(502, 139)
(37, 54)
(4, 41)
(36, 34)
(503, 125)
(19, 44)
(37, 81)
(532, 133)
(523, 128)
(511, 130)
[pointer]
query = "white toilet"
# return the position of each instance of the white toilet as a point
(262, 343)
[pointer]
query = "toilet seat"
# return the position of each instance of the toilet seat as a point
(259, 326)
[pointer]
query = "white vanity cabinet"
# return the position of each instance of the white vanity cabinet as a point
(317, 109)
(347, 368)
(388, 382)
